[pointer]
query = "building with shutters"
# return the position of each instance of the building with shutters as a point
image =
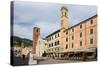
(75, 42)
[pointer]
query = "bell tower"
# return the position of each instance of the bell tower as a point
(64, 18)
(64, 26)
(36, 35)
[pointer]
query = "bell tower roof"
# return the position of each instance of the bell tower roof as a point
(63, 7)
(64, 17)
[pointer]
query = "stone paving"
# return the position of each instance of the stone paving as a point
(53, 61)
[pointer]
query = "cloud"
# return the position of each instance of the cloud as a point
(78, 13)
(46, 16)
(47, 27)
(23, 32)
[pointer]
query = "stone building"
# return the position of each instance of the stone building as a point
(40, 47)
(79, 40)
(36, 35)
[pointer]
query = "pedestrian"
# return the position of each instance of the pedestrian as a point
(23, 57)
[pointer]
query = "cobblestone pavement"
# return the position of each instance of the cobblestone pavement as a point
(53, 61)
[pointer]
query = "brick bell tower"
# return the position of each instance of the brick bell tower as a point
(64, 26)
(36, 34)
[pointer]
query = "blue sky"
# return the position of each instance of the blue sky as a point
(46, 16)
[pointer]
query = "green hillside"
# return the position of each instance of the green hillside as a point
(18, 41)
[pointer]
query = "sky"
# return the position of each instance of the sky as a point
(46, 16)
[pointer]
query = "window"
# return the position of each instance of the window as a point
(45, 44)
(58, 34)
(66, 46)
(72, 30)
(55, 49)
(55, 36)
(72, 45)
(37, 30)
(49, 45)
(91, 21)
(80, 43)
(91, 31)
(72, 37)
(91, 41)
(66, 39)
(52, 37)
(81, 26)
(66, 33)
(81, 34)
(55, 43)
(52, 44)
